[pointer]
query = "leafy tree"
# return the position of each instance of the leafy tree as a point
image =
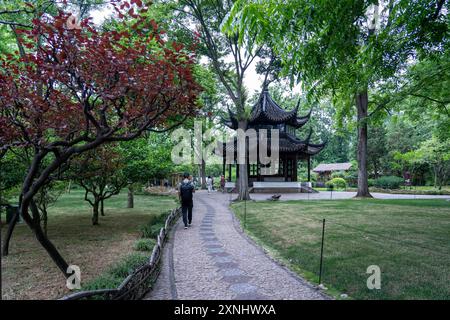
(100, 173)
(348, 48)
(12, 173)
(144, 159)
(229, 57)
(376, 149)
(83, 88)
(435, 153)
(46, 197)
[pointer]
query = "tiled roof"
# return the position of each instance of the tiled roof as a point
(332, 167)
(286, 143)
(267, 111)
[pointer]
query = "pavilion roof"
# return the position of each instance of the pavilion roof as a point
(267, 111)
(286, 144)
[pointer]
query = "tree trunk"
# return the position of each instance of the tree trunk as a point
(102, 208)
(130, 203)
(50, 248)
(436, 176)
(44, 220)
(9, 232)
(243, 173)
(95, 212)
(35, 226)
(203, 169)
(362, 101)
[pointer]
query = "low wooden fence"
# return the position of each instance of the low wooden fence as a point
(138, 283)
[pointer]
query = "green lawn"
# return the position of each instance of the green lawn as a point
(406, 190)
(408, 239)
(28, 272)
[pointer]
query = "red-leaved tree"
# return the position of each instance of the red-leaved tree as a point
(79, 88)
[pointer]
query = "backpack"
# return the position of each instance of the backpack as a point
(186, 192)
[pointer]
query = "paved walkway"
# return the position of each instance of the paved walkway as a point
(213, 259)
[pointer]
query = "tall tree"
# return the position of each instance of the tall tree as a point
(97, 87)
(229, 57)
(345, 47)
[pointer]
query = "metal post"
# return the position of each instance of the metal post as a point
(321, 251)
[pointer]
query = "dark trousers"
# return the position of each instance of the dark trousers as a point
(187, 214)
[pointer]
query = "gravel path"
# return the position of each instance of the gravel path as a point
(213, 259)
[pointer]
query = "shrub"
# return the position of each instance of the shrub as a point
(388, 182)
(115, 275)
(337, 183)
(338, 174)
(152, 228)
(103, 281)
(127, 265)
(351, 177)
(144, 244)
(371, 182)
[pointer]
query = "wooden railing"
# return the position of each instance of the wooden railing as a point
(138, 283)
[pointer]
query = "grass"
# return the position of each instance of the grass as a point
(430, 190)
(115, 274)
(29, 273)
(144, 245)
(408, 239)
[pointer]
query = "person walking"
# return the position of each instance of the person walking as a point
(222, 183)
(209, 183)
(185, 193)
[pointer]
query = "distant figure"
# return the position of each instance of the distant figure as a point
(275, 197)
(185, 193)
(209, 182)
(222, 183)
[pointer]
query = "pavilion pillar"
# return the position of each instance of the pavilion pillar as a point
(223, 161)
(309, 169)
(285, 167)
(294, 169)
(229, 172)
(223, 167)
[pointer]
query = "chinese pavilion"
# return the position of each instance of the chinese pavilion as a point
(267, 114)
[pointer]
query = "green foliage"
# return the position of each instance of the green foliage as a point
(144, 244)
(338, 174)
(435, 153)
(12, 173)
(104, 281)
(388, 182)
(336, 183)
(115, 275)
(153, 227)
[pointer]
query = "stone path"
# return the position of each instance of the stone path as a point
(213, 259)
